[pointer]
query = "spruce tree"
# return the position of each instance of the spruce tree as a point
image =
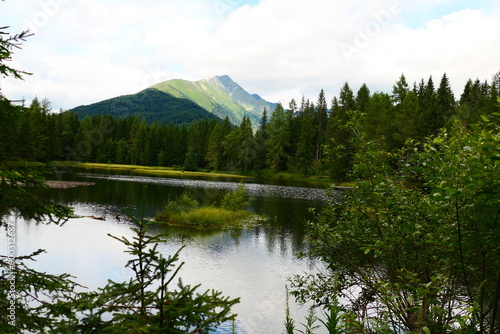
(321, 121)
(278, 141)
(150, 302)
(445, 103)
(363, 98)
(260, 143)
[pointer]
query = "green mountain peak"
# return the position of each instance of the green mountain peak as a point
(219, 95)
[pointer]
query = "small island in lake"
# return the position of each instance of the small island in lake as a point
(186, 211)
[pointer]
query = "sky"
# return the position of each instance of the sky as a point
(85, 51)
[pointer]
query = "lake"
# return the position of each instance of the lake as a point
(252, 263)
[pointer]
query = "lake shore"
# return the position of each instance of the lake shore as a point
(150, 170)
(319, 181)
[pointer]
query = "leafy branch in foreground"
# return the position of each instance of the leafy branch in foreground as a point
(417, 251)
(8, 43)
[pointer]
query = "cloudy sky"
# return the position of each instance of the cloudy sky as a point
(84, 51)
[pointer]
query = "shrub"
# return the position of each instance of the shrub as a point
(236, 200)
(183, 204)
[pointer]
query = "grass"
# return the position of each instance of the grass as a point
(207, 218)
(165, 171)
(186, 211)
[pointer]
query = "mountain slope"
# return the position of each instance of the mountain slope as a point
(221, 96)
(152, 104)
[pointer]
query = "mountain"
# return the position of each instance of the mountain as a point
(151, 104)
(221, 96)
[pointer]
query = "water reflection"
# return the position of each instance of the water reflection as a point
(254, 189)
(253, 262)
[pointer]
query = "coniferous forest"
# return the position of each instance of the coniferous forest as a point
(304, 137)
(412, 247)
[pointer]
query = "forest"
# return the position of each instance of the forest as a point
(413, 247)
(305, 137)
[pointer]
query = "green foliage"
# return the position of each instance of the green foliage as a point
(34, 301)
(208, 218)
(236, 200)
(185, 202)
(185, 211)
(289, 322)
(148, 303)
(279, 135)
(307, 139)
(333, 319)
(8, 43)
(150, 104)
(310, 326)
(30, 300)
(219, 95)
(421, 247)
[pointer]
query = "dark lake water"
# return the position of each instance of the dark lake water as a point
(252, 263)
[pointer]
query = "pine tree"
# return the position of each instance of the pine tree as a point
(246, 152)
(378, 121)
(321, 121)
(363, 98)
(399, 90)
(260, 143)
(306, 147)
(408, 120)
(278, 141)
(427, 98)
(139, 145)
(346, 98)
(148, 303)
(216, 148)
(445, 103)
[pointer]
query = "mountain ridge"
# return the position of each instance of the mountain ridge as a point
(179, 100)
(221, 96)
(150, 104)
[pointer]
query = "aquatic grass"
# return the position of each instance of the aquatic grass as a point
(186, 211)
(209, 217)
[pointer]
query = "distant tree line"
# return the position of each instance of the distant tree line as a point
(310, 138)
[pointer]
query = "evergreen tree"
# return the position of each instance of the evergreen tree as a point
(182, 147)
(321, 121)
(408, 119)
(346, 98)
(216, 148)
(428, 105)
(306, 148)
(247, 144)
(379, 121)
(260, 143)
(445, 103)
(148, 303)
(415, 250)
(399, 90)
(140, 141)
(339, 149)
(17, 199)
(231, 149)
(363, 98)
(278, 141)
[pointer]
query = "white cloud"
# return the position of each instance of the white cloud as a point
(86, 51)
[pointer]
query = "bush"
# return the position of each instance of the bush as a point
(183, 204)
(236, 200)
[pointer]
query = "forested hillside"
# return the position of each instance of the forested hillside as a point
(306, 137)
(221, 96)
(151, 104)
